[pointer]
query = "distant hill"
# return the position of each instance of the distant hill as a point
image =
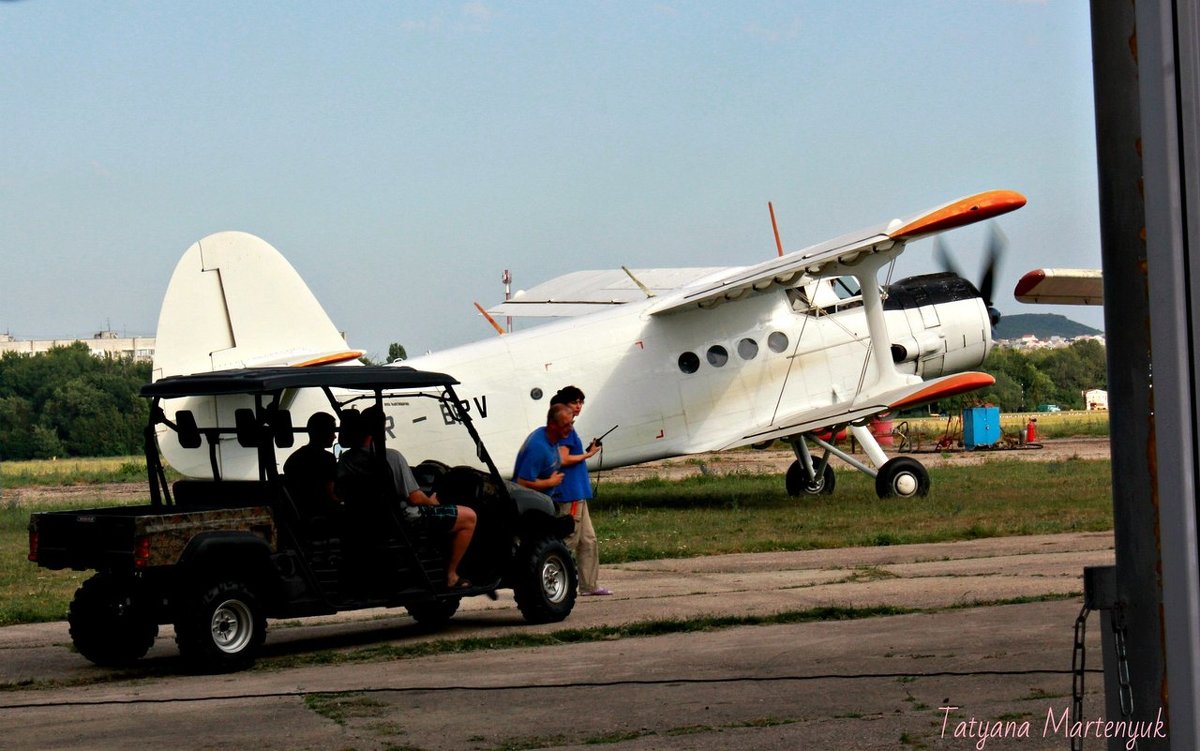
(1041, 325)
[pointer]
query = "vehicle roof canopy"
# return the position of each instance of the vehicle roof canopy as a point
(267, 380)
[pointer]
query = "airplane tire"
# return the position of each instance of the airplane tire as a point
(798, 483)
(902, 477)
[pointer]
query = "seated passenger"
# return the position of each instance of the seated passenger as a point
(311, 469)
(358, 469)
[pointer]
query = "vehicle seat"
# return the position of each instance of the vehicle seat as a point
(349, 431)
(428, 472)
(467, 486)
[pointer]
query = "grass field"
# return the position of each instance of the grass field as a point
(41, 472)
(29, 593)
(709, 515)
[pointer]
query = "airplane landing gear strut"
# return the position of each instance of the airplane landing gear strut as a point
(805, 478)
(898, 477)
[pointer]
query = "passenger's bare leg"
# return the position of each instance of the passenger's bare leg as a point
(460, 538)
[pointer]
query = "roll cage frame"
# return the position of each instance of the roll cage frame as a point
(269, 425)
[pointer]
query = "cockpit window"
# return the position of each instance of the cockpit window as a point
(826, 296)
(846, 287)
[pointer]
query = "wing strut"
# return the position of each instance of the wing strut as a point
(866, 271)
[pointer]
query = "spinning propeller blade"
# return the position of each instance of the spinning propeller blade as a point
(996, 244)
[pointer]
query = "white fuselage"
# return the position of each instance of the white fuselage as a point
(682, 383)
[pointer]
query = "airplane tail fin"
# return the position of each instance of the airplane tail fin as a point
(235, 302)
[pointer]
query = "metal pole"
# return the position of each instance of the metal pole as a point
(1146, 58)
(1127, 329)
(1168, 49)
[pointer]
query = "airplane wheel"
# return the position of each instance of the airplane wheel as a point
(798, 483)
(902, 477)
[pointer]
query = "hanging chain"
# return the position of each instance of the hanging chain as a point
(1119, 637)
(1078, 664)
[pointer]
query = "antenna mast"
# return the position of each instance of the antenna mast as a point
(507, 279)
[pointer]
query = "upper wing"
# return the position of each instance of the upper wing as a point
(1061, 287)
(831, 257)
(583, 292)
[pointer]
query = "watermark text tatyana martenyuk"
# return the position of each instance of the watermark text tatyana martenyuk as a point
(1056, 724)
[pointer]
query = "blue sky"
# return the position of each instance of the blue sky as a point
(403, 154)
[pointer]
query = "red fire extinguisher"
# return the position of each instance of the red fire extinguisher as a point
(1031, 430)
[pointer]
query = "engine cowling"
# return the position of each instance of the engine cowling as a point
(939, 324)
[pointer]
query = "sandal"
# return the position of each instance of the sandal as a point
(460, 583)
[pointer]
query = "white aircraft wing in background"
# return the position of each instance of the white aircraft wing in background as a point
(583, 292)
(1061, 287)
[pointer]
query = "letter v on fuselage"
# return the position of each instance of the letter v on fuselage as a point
(683, 360)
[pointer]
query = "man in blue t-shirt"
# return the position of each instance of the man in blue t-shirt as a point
(574, 494)
(539, 463)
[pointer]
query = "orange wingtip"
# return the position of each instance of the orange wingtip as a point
(952, 386)
(964, 211)
(336, 357)
(1026, 284)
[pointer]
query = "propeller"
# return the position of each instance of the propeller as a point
(996, 244)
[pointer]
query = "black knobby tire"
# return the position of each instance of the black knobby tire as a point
(221, 629)
(798, 484)
(107, 625)
(433, 614)
(545, 582)
(902, 477)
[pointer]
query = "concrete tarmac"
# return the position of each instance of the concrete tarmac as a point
(872, 683)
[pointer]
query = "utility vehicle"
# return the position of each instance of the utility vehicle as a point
(217, 556)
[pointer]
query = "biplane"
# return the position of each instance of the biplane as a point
(683, 360)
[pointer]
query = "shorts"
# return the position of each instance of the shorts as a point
(438, 518)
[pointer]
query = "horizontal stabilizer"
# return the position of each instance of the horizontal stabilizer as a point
(1061, 287)
(301, 358)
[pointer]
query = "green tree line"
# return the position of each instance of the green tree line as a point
(1027, 378)
(67, 402)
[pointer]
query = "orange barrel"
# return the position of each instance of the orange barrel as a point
(881, 428)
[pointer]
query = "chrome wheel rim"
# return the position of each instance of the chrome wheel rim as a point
(232, 626)
(554, 579)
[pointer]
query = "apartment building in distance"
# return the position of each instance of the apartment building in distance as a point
(139, 348)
